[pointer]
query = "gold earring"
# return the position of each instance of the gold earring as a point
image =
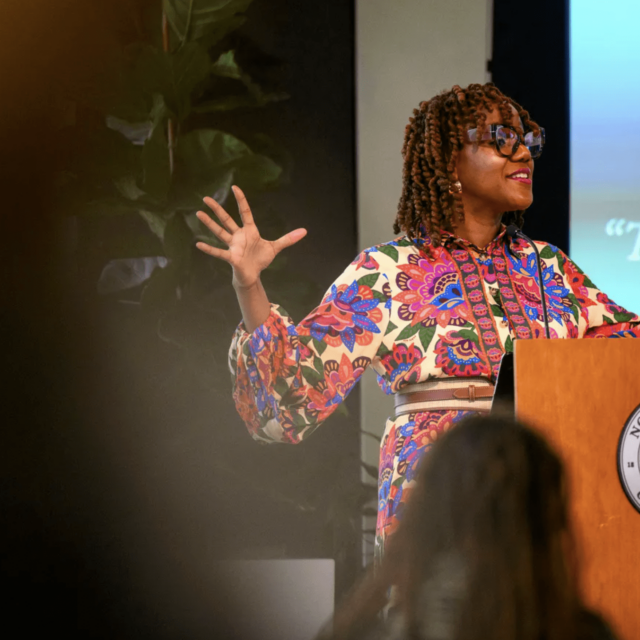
(456, 187)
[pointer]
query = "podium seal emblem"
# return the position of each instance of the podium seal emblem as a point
(629, 458)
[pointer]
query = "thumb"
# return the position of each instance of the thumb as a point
(288, 239)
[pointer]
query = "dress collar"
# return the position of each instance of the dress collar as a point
(451, 241)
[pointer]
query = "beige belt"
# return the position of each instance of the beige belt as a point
(466, 394)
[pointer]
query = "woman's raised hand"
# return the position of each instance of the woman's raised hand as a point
(248, 253)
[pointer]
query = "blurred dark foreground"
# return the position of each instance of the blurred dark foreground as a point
(66, 567)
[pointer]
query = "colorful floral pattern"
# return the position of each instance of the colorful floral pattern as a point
(348, 315)
(459, 356)
(430, 295)
(403, 361)
(412, 312)
(527, 286)
(365, 261)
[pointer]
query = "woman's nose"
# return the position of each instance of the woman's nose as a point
(522, 154)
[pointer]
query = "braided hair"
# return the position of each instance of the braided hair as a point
(433, 138)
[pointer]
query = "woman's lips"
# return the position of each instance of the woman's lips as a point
(521, 175)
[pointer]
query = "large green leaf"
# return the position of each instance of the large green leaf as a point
(156, 221)
(96, 172)
(155, 165)
(204, 150)
(192, 201)
(140, 71)
(257, 172)
(135, 132)
(205, 154)
(127, 273)
(173, 75)
(188, 197)
(178, 241)
(128, 187)
(204, 19)
(227, 67)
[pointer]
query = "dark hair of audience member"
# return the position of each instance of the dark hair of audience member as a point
(493, 492)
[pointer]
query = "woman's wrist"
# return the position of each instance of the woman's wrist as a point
(242, 285)
(254, 303)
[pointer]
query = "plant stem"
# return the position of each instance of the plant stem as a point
(171, 125)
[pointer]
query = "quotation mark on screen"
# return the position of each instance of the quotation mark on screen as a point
(621, 227)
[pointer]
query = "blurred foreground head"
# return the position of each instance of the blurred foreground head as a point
(483, 550)
(489, 515)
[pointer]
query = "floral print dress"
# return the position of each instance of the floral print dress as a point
(415, 313)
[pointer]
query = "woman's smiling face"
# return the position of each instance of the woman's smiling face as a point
(491, 183)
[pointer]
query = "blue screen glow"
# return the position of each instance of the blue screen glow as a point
(605, 145)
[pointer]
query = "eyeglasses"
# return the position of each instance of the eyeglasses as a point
(507, 139)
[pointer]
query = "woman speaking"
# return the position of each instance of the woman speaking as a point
(432, 311)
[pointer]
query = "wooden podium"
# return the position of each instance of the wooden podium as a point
(579, 394)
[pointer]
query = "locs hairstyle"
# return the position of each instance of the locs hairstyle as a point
(433, 138)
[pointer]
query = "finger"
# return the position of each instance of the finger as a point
(216, 229)
(228, 222)
(213, 251)
(287, 240)
(243, 206)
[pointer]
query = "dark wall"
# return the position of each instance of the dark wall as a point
(531, 64)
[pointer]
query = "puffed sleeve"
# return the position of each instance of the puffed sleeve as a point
(288, 379)
(600, 317)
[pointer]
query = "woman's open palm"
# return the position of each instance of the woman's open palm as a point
(248, 253)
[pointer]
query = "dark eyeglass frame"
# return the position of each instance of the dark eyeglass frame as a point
(499, 133)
